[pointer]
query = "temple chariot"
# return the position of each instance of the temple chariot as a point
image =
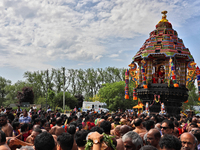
(162, 70)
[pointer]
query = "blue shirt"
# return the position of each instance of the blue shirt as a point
(25, 119)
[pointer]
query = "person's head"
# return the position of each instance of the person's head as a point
(148, 147)
(27, 148)
(149, 124)
(132, 141)
(124, 129)
(194, 119)
(16, 125)
(137, 122)
(157, 126)
(37, 121)
(188, 141)
(106, 126)
(34, 133)
(25, 114)
(47, 126)
(43, 121)
(8, 109)
(24, 127)
(176, 132)
(169, 142)
(53, 121)
(71, 129)
(96, 128)
(65, 141)
(59, 121)
(167, 127)
(44, 141)
(80, 138)
(2, 137)
(153, 137)
(196, 133)
(3, 119)
(100, 121)
(192, 125)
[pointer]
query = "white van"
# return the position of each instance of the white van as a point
(97, 106)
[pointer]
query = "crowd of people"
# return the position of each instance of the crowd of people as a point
(52, 130)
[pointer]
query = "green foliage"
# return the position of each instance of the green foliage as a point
(25, 95)
(70, 100)
(106, 138)
(192, 99)
(190, 86)
(3, 92)
(113, 95)
(77, 82)
(51, 98)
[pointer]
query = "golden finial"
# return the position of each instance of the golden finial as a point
(164, 16)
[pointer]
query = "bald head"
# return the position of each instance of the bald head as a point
(155, 133)
(36, 126)
(194, 119)
(188, 141)
(99, 123)
(124, 129)
(123, 121)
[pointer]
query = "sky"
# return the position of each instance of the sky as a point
(44, 34)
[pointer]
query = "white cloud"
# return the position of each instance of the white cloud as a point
(114, 55)
(32, 33)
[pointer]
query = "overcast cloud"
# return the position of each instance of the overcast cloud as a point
(36, 32)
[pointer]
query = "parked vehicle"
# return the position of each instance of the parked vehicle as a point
(96, 106)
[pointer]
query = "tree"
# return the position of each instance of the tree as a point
(113, 95)
(3, 83)
(51, 98)
(192, 99)
(80, 99)
(70, 100)
(26, 95)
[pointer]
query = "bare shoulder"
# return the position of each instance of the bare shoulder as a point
(10, 127)
(4, 147)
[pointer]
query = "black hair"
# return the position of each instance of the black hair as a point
(106, 126)
(176, 123)
(138, 122)
(66, 141)
(169, 123)
(74, 123)
(149, 124)
(71, 129)
(69, 120)
(59, 120)
(3, 115)
(48, 118)
(194, 124)
(43, 121)
(53, 120)
(15, 125)
(34, 116)
(46, 123)
(170, 141)
(36, 120)
(117, 119)
(148, 147)
(44, 141)
(80, 138)
(24, 127)
(37, 130)
(75, 117)
(96, 128)
(3, 137)
(172, 119)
